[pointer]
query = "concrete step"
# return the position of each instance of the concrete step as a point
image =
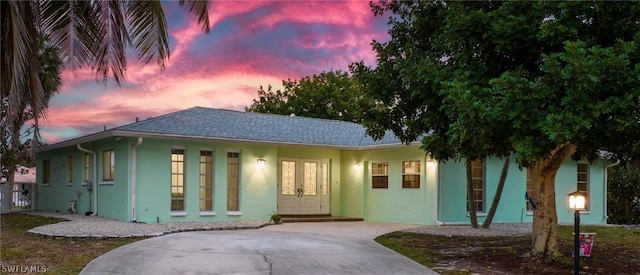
(317, 218)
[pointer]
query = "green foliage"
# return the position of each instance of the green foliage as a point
(331, 95)
(624, 196)
(478, 79)
(15, 147)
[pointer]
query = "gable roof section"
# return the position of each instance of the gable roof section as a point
(220, 124)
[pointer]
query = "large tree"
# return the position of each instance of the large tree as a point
(545, 80)
(15, 138)
(331, 95)
(91, 34)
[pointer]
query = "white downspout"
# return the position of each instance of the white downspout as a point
(134, 168)
(605, 214)
(95, 178)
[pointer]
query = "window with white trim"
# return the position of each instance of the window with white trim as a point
(206, 180)
(108, 165)
(46, 171)
(177, 180)
(233, 181)
(477, 183)
(583, 179)
(70, 169)
(85, 167)
(380, 175)
(411, 174)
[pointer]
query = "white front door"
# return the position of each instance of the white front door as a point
(303, 187)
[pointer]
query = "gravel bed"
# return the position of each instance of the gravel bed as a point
(80, 226)
(495, 230)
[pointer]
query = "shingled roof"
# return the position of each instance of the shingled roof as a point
(220, 124)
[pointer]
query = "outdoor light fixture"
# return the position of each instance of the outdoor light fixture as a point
(261, 163)
(577, 203)
(431, 163)
(357, 166)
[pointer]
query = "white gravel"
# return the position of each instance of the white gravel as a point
(81, 226)
(496, 229)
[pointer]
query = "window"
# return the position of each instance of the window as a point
(70, 169)
(380, 175)
(108, 165)
(583, 179)
(529, 190)
(85, 167)
(411, 174)
(177, 180)
(477, 183)
(46, 171)
(206, 181)
(233, 181)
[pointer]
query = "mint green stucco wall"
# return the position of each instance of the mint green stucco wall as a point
(351, 179)
(258, 187)
(351, 192)
(112, 196)
(452, 193)
(397, 204)
(392, 205)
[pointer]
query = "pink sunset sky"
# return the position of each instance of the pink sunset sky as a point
(251, 44)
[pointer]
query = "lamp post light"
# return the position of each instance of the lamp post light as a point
(577, 203)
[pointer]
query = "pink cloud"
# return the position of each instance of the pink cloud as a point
(251, 44)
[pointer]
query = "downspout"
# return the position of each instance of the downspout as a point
(605, 214)
(94, 184)
(134, 150)
(438, 222)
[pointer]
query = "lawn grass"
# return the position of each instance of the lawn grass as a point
(55, 256)
(615, 251)
(616, 236)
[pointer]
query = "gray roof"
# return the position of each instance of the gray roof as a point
(220, 124)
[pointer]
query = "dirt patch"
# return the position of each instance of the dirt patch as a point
(503, 255)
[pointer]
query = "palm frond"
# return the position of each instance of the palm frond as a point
(149, 31)
(201, 10)
(113, 38)
(71, 25)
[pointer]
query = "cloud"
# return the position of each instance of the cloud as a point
(251, 44)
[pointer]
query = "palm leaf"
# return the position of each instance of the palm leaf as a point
(72, 26)
(148, 31)
(201, 10)
(113, 38)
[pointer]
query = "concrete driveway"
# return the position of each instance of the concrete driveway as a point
(295, 248)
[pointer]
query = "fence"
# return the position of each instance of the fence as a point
(17, 197)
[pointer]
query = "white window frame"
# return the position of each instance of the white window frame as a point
(238, 187)
(112, 166)
(203, 188)
(417, 172)
(180, 176)
(375, 172)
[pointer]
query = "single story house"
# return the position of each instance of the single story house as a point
(203, 164)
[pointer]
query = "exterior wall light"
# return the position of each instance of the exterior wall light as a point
(261, 163)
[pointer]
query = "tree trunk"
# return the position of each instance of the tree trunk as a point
(496, 198)
(545, 219)
(470, 202)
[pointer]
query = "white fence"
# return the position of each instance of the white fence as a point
(17, 197)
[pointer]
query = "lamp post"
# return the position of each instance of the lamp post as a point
(577, 203)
